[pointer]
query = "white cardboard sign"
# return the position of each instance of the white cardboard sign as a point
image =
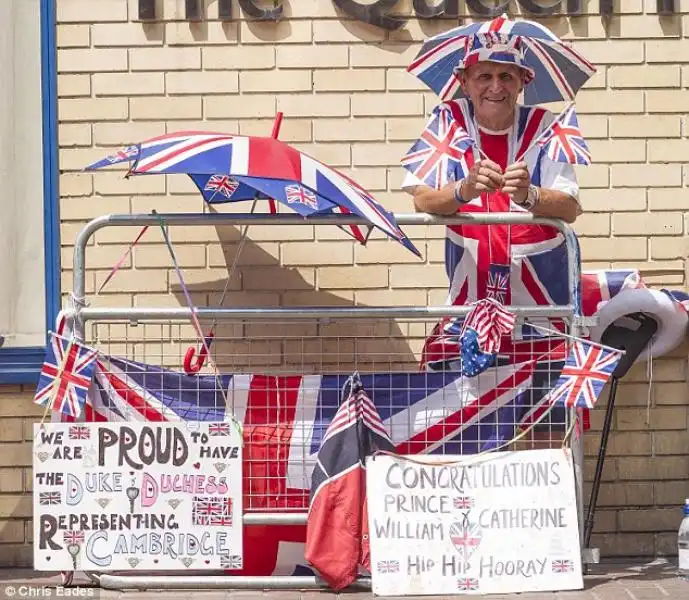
(147, 496)
(493, 524)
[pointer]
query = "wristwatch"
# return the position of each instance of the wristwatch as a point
(532, 197)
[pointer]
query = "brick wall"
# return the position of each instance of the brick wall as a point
(347, 100)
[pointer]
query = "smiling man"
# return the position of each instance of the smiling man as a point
(521, 265)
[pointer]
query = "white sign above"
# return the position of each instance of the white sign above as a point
(492, 524)
(121, 496)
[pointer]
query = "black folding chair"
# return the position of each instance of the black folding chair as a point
(632, 334)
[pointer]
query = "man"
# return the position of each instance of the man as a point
(498, 260)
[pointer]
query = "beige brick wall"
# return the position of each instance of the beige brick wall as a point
(347, 99)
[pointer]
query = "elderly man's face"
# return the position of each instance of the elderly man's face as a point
(493, 89)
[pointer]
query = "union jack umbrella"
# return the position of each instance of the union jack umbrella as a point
(228, 168)
(556, 71)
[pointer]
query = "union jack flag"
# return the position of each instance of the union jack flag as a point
(563, 140)
(49, 498)
(586, 371)
(215, 429)
(562, 566)
(463, 502)
(222, 184)
(214, 510)
(79, 432)
(436, 156)
(73, 537)
(467, 583)
(300, 195)
(497, 286)
(388, 566)
(230, 561)
(66, 375)
(123, 155)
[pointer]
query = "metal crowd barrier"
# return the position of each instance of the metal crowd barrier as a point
(169, 326)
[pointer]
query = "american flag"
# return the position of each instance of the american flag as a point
(562, 566)
(491, 321)
(49, 498)
(231, 561)
(467, 583)
(563, 140)
(300, 195)
(66, 375)
(73, 537)
(586, 371)
(79, 432)
(463, 502)
(216, 429)
(388, 566)
(212, 510)
(222, 184)
(434, 157)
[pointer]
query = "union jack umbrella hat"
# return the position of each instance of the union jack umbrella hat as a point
(228, 168)
(554, 71)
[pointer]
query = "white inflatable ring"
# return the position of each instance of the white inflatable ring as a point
(672, 319)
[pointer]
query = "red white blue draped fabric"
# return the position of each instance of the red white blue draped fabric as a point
(559, 71)
(336, 533)
(66, 376)
(563, 140)
(440, 150)
(229, 167)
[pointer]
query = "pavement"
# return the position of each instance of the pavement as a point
(630, 580)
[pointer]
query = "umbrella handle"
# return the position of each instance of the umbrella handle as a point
(192, 365)
(197, 365)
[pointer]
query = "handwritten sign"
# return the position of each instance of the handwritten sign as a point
(121, 496)
(492, 524)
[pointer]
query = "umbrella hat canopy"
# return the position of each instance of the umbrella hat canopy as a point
(555, 71)
(227, 167)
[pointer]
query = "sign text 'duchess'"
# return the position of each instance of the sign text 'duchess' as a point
(498, 523)
(121, 496)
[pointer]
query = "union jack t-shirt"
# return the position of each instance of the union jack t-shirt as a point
(514, 264)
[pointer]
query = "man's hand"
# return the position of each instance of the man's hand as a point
(517, 181)
(484, 176)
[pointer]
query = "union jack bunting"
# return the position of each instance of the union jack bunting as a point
(563, 140)
(563, 566)
(74, 537)
(215, 429)
(221, 184)
(66, 375)
(79, 432)
(467, 583)
(586, 371)
(49, 498)
(213, 510)
(388, 566)
(439, 152)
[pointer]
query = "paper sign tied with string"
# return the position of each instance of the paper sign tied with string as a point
(494, 524)
(121, 496)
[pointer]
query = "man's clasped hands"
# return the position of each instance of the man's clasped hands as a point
(487, 176)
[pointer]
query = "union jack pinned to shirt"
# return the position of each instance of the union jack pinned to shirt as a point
(440, 150)
(586, 371)
(66, 375)
(563, 140)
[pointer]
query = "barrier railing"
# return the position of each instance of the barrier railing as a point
(309, 342)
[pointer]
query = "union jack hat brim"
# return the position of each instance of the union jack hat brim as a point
(502, 55)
